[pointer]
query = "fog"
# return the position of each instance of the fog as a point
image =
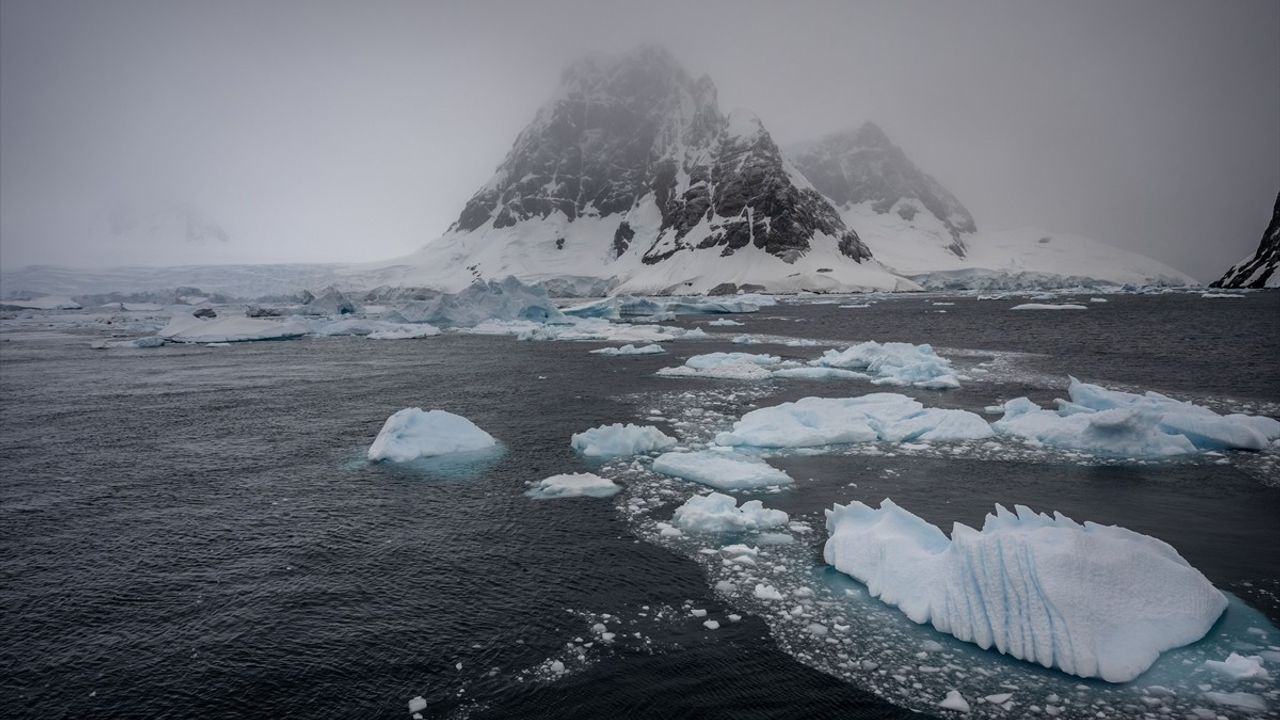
(317, 132)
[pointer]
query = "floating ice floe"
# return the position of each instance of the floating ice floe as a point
(1048, 306)
(893, 363)
(1122, 424)
(814, 421)
(725, 365)
(405, 332)
(1090, 600)
(142, 342)
(618, 440)
(1238, 667)
(414, 433)
(719, 513)
(724, 322)
(1214, 295)
(721, 470)
(630, 349)
(573, 485)
(1248, 702)
(373, 329)
(186, 328)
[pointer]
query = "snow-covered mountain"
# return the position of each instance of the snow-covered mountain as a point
(632, 172)
(915, 227)
(1262, 268)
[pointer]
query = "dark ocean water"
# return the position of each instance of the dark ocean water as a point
(193, 531)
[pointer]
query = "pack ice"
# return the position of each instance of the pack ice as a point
(721, 470)
(720, 513)
(814, 421)
(1090, 600)
(894, 363)
(1122, 424)
(413, 433)
(617, 440)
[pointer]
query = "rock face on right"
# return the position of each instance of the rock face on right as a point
(1259, 270)
(1097, 601)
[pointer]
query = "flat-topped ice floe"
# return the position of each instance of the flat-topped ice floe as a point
(414, 433)
(719, 513)
(617, 440)
(721, 470)
(629, 349)
(184, 328)
(1049, 306)
(1122, 424)
(726, 366)
(573, 485)
(893, 363)
(814, 421)
(1090, 600)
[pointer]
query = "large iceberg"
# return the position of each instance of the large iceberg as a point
(414, 433)
(721, 470)
(894, 363)
(508, 299)
(1122, 424)
(618, 440)
(573, 485)
(814, 421)
(1090, 600)
(719, 513)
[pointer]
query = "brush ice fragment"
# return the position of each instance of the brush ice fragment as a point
(1090, 600)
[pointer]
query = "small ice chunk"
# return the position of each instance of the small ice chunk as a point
(954, 701)
(412, 433)
(998, 698)
(767, 592)
(573, 485)
(417, 704)
(698, 612)
(711, 625)
(618, 440)
(719, 513)
(1242, 700)
(1048, 306)
(1238, 667)
(630, 349)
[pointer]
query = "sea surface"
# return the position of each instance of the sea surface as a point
(192, 531)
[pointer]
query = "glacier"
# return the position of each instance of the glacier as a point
(1090, 600)
(1122, 424)
(720, 513)
(618, 440)
(814, 421)
(414, 433)
(894, 363)
(573, 485)
(721, 470)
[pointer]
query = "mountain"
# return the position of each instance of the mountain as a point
(916, 228)
(632, 173)
(1259, 270)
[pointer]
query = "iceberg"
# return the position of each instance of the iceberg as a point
(721, 470)
(330, 301)
(185, 328)
(814, 421)
(1121, 424)
(726, 366)
(618, 440)
(573, 485)
(719, 513)
(894, 363)
(1090, 600)
(508, 299)
(629, 349)
(414, 433)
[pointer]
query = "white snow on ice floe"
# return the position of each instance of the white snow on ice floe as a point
(630, 349)
(814, 421)
(1048, 306)
(186, 328)
(1238, 667)
(617, 440)
(414, 433)
(725, 365)
(573, 485)
(721, 470)
(893, 363)
(1122, 424)
(1090, 600)
(719, 513)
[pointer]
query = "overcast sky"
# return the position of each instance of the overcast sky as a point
(356, 131)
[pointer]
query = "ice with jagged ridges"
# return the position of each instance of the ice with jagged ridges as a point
(1090, 600)
(507, 299)
(720, 513)
(414, 433)
(889, 417)
(1121, 424)
(894, 363)
(618, 440)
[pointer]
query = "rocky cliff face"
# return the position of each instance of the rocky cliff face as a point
(1262, 269)
(636, 140)
(863, 169)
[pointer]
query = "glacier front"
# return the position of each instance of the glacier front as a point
(1091, 600)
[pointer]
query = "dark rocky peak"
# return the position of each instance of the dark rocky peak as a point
(1262, 269)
